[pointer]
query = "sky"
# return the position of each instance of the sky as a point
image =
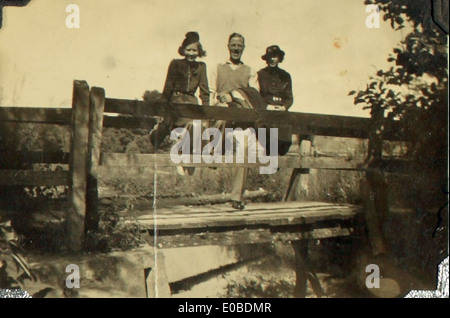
(126, 46)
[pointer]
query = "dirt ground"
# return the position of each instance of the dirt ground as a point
(273, 276)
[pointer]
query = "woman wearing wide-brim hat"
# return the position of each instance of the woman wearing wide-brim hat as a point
(275, 86)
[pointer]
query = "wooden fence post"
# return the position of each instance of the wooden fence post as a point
(97, 106)
(78, 166)
(374, 188)
(300, 176)
(303, 270)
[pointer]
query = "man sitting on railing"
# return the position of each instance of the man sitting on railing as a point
(224, 79)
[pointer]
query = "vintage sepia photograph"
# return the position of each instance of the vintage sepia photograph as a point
(240, 149)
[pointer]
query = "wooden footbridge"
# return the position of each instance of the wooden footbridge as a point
(259, 222)
(290, 221)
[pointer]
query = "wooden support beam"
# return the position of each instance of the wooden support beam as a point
(129, 122)
(161, 109)
(249, 236)
(137, 172)
(156, 283)
(301, 123)
(35, 157)
(78, 166)
(299, 178)
(132, 161)
(266, 215)
(288, 161)
(34, 178)
(164, 160)
(97, 105)
(141, 203)
(303, 270)
(295, 183)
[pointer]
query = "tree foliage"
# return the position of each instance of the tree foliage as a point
(413, 90)
(135, 140)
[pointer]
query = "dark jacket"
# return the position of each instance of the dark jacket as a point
(185, 77)
(275, 86)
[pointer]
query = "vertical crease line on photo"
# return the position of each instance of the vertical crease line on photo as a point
(155, 225)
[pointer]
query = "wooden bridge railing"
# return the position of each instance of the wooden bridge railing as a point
(91, 111)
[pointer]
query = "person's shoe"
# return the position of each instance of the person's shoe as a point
(190, 170)
(159, 133)
(180, 171)
(238, 205)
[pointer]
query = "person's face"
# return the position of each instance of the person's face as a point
(273, 61)
(191, 52)
(236, 47)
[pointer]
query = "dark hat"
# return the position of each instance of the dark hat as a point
(273, 50)
(191, 37)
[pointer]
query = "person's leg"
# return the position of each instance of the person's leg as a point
(240, 174)
(188, 125)
(160, 131)
(238, 183)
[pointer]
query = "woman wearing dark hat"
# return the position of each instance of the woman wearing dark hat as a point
(275, 86)
(183, 79)
(186, 75)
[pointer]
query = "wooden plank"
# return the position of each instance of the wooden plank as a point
(242, 237)
(135, 107)
(35, 156)
(281, 219)
(197, 223)
(142, 204)
(278, 207)
(303, 206)
(257, 213)
(164, 160)
(78, 166)
(129, 172)
(55, 115)
(240, 218)
(97, 105)
(302, 123)
(259, 217)
(232, 221)
(161, 109)
(34, 178)
(129, 122)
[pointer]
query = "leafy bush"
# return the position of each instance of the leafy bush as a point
(17, 139)
(114, 233)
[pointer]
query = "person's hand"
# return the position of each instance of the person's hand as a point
(224, 98)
